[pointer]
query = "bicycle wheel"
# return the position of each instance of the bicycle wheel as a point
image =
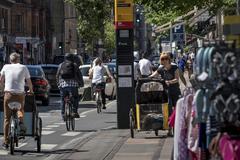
(12, 135)
(67, 116)
(99, 104)
(72, 119)
(39, 134)
(131, 125)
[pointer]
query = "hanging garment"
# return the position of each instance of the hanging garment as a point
(181, 127)
(229, 148)
(193, 130)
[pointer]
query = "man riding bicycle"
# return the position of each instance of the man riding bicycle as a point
(13, 76)
(97, 73)
(69, 78)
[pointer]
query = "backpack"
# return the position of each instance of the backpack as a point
(67, 70)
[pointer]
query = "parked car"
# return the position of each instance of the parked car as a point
(41, 86)
(110, 89)
(50, 71)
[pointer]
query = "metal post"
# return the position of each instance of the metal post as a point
(63, 30)
(238, 5)
(171, 36)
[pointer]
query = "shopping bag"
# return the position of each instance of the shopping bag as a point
(171, 119)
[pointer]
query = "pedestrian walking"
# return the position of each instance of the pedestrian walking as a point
(145, 66)
(170, 73)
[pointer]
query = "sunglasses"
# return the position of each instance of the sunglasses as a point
(163, 59)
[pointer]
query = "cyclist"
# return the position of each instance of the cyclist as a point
(170, 73)
(13, 76)
(69, 79)
(96, 73)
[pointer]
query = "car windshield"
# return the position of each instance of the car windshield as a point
(50, 72)
(85, 71)
(35, 72)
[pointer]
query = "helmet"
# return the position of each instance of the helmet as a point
(69, 57)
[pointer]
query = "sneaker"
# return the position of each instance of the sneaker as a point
(104, 107)
(23, 129)
(76, 115)
(5, 146)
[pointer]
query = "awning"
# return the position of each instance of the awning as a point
(181, 20)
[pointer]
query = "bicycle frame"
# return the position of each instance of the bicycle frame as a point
(14, 125)
(98, 98)
(69, 119)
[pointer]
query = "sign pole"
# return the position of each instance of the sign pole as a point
(124, 50)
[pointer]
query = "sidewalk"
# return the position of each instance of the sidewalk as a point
(146, 146)
(116, 144)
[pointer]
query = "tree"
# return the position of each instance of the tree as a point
(110, 37)
(161, 11)
(93, 15)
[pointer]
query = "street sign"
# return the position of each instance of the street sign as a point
(124, 14)
(178, 29)
(178, 34)
(231, 29)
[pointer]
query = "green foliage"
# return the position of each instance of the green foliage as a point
(109, 42)
(161, 11)
(92, 17)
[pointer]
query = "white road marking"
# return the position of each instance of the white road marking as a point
(21, 145)
(47, 132)
(45, 128)
(3, 152)
(86, 112)
(71, 134)
(47, 146)
(53, 126)
(60, 123)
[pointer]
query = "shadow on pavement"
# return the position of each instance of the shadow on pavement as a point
(87, 105)
(60, 151)
(157, 137)
(92, 130)
(109, 122)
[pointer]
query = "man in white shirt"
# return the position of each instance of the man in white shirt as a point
(145, 66)
(13, 76)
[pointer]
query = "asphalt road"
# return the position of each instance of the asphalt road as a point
(57, 143)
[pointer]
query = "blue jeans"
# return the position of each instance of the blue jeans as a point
(74, 91)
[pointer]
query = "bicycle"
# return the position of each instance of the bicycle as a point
(98, 97)
(69, 118)
(14, 128)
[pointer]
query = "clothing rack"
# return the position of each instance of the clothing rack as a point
(215, 106)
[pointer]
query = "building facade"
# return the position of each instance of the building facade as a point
(5, 28)
(28, 31)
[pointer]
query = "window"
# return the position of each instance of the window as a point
(19, 23)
